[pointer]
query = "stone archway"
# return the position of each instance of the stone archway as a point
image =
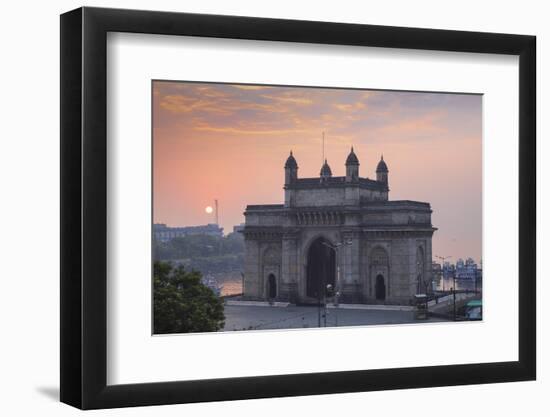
(321, 268)
(379, 274)
(380, 288)
(271, 265)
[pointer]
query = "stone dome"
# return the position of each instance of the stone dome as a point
(352, 158)
(381, 167)
(291, 162)
(325, 170)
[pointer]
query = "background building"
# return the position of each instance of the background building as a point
(467, 270)
(164, 233)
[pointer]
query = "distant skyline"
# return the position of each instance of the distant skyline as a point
(229, 142)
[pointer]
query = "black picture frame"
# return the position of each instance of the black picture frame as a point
(84, 207)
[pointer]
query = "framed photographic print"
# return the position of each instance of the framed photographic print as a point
(258, 207)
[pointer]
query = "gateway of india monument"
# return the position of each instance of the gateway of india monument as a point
(338, 237)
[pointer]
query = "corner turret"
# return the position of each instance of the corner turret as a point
(326, 172)
(382, 171)
(291, 169)
(352, 167)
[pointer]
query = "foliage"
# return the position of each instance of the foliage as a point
(182, 303)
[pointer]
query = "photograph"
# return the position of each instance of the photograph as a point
(304, 207)
(297, 207)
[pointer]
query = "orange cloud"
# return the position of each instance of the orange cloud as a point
(183, 104)
(427, 124)
(350, 107)
(251, 87)
(246, 131)
(293, 100)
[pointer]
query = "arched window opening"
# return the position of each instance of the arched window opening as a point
(271, 286)
(380, 288)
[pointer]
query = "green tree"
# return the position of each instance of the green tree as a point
(182, 303)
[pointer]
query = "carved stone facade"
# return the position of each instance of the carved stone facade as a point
(340, 234)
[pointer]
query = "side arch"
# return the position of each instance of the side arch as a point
(271, 271)
(420, 270)
(380, 288)
(379, 285)
(272, 289)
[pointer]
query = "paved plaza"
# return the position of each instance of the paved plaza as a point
(255, 317)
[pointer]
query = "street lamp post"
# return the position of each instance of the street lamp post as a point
(336, 247)
(321, 296)
(442, 259)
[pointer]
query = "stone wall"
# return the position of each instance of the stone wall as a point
(290, 270)
(397, 232)
(263, 219)
(319, 197)
(252, 283)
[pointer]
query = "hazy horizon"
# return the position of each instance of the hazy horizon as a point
(229, 142)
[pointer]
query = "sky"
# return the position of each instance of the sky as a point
(230, 141)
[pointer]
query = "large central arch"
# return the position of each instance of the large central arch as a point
(321, 268)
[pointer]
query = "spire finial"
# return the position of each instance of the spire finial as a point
(382, 157)
(352, 148)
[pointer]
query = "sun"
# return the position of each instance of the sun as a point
(209, 209)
